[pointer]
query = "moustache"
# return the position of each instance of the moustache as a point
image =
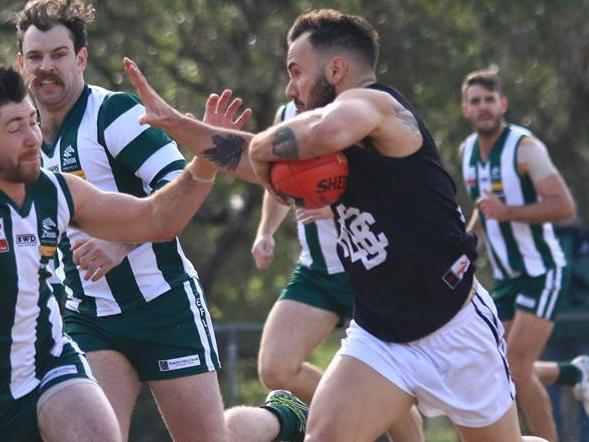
(39, 78)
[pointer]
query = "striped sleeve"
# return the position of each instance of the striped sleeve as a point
(145, 150)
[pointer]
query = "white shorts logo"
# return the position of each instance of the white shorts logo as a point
(357, 240)
(64, 370)
(179, 363)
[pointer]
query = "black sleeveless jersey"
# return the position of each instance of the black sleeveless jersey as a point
(402, 239)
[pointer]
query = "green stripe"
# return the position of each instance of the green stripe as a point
(170, 263)
(73, 279)
(142, 147)
(124, 288)
(8, 293)
(158, 181)
(312, 236)
(66, 192)
(113, 106)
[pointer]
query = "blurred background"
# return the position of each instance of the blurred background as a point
(190, 48)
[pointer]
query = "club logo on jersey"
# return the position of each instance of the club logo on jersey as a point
(70, 161)
(495, 173)
(26, 240)
(357, 239)
(3, 241)
(49, 229)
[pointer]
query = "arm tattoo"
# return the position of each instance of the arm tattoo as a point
(407, 118)
(284, 144)
(227, 151)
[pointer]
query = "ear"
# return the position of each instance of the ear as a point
(464, 109)
(504, 104)
(337, 70)
(82, 59)
(20, 59)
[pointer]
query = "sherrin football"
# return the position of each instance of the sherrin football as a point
(311, 183)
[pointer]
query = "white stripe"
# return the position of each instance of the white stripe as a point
(144, 265)
(85, 364)
(199, 325)
(545, 293)
(327, 234)
(556, 292)
(208, 317)
(124, 130)
(56, 325)
(159, 159)
(26, 315)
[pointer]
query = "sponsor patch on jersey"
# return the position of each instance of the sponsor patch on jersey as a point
(525, 301)
(179, 363)
(49, 229)
(57, 372)
(26, 240)
(3, 241)
(456, 272)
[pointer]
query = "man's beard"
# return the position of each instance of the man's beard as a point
(19, 174)
(322, 93)
(492, 130)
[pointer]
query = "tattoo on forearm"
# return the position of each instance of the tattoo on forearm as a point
(284, 144)
(227, 151)
(407, 118)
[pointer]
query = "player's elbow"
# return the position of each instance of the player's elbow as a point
(569, 211)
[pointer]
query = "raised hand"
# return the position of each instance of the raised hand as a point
(158, 112)
(220, 110)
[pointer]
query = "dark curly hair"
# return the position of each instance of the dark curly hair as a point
(12, 86)
(45, 14)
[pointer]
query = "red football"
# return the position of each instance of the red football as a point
(311, 183)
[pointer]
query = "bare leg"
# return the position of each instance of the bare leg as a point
(291, 332)
(191, 407)
(78, 413)
(526, 340)
(505, 429)
(249, 424)
(120, 383)
(547, 372)
(409, 429)
(354, 403)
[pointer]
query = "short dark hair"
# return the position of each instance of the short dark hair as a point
(12, 86)
(329, 28)
(45, 14)
(487, 78)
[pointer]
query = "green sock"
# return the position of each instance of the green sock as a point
(288, 425)
(569, 374)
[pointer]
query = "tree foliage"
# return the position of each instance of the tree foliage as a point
(189, 48)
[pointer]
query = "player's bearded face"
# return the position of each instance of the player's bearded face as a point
(321, 93)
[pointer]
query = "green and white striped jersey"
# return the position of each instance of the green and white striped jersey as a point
(319, 239)
(102, 141)
(514, 248)
(29, 314)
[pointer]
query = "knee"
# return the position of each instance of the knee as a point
(275, 374)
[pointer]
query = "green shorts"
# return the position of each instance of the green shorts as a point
(539, 295)
(18, 417)
(321, 290)
(169, 337)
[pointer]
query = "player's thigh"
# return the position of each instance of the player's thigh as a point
(527, 338)
(78, 412)
(355, 403)
(119, 381)
(292, 330)
(192, 407)
(506, 429)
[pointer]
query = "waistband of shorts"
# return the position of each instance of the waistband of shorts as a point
(467, 309)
